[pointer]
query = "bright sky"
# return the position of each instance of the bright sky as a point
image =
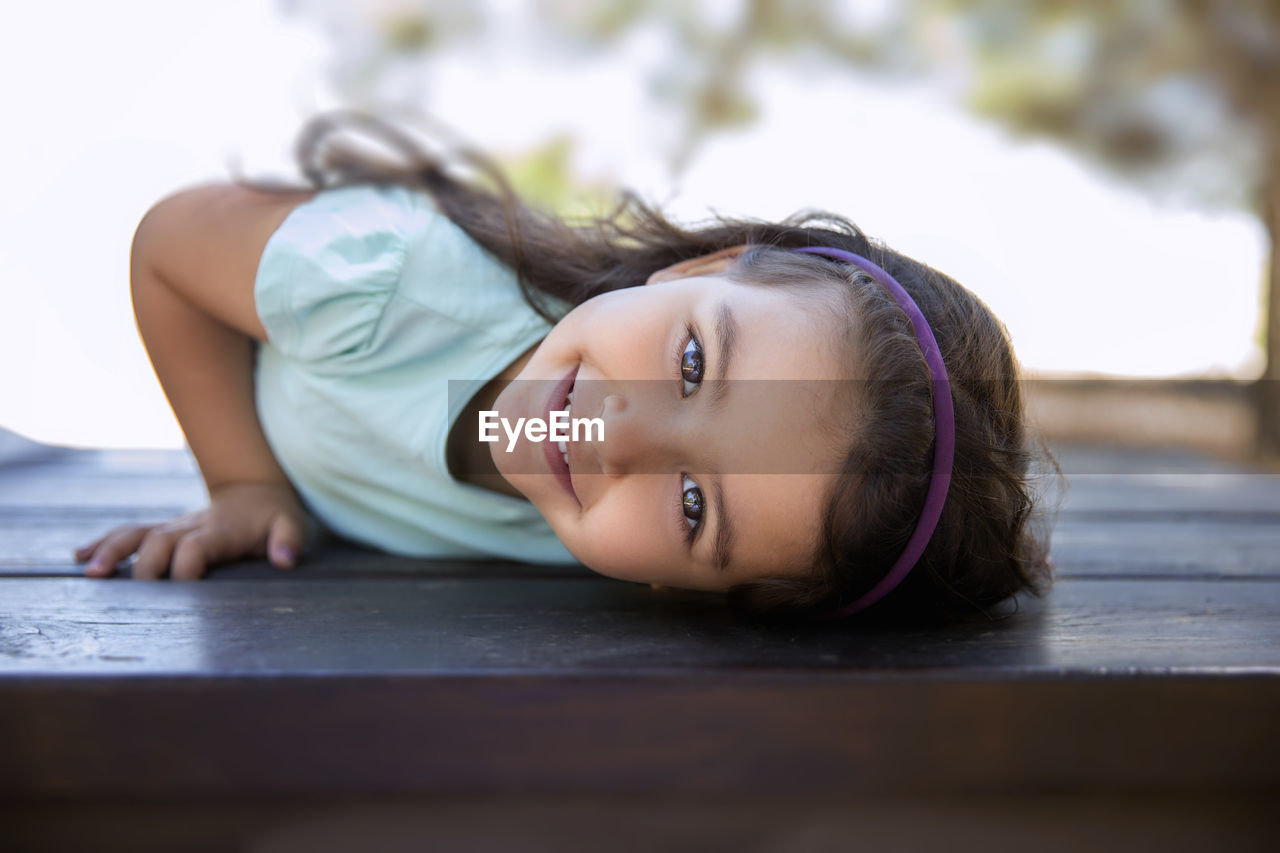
(111, 106)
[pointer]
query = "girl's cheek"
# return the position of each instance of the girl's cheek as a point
(621, 544)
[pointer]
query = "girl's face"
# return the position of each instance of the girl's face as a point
(684, 488)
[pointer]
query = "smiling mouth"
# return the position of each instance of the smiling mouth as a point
(557, 453)
(563, 446)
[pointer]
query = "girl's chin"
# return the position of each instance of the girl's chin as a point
(540, 490)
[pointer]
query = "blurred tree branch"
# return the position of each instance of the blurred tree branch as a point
(1171, 93)
(1178, 96)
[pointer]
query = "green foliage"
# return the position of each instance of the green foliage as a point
(408, 32)
(544, 177)
(1152, 89)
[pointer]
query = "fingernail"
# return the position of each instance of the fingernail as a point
(285, 553)
(94, 566)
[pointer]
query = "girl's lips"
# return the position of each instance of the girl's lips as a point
(550, 451)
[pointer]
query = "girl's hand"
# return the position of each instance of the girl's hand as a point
(242, 520)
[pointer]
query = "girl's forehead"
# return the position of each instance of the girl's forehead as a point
(786, 333)
(777, 520)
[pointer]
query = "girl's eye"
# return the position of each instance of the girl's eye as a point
(691, 365)
(691, 504)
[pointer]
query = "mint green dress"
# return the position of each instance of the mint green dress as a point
(375, 304)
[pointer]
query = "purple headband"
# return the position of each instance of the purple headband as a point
(944, 419)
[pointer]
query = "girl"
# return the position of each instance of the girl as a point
(331, 353)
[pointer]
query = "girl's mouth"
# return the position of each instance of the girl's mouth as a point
(557, 452)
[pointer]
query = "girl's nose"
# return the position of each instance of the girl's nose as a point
(636, 438)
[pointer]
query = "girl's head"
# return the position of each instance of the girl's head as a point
(857, 457)
(722, 439)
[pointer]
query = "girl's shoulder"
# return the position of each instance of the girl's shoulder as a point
(359, 260)
(363, 213)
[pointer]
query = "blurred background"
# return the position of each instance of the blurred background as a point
(1101, 174)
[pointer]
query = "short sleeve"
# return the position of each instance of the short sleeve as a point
(328, 271)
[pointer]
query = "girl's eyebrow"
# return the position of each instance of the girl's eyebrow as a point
(723, 550)
(726, 344)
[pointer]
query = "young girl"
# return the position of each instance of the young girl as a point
(787, 412)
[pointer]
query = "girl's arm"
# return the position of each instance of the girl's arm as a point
(192, 271)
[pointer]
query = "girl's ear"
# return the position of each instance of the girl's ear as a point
(716, 262)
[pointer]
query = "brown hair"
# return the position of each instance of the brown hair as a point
(985, 548)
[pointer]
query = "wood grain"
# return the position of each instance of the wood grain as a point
(1153, 666)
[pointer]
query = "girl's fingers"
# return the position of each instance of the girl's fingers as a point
(113, 548)
(101, 567)
(284, 542)
(191, 556)
(154, 554)
(84, 552)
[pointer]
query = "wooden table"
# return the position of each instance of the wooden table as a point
(364, 691)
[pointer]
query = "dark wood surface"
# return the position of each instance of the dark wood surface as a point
(1152, 666)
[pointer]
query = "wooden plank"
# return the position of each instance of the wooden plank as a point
(1219, 519)
(1086, 458)
(39, 544)
(1197, 544)
(1172, 493)
(728, 731)
(591, 625)
(363, 673)
(1103, 478)
(45, 486)
(780, 823)
(39, 541)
